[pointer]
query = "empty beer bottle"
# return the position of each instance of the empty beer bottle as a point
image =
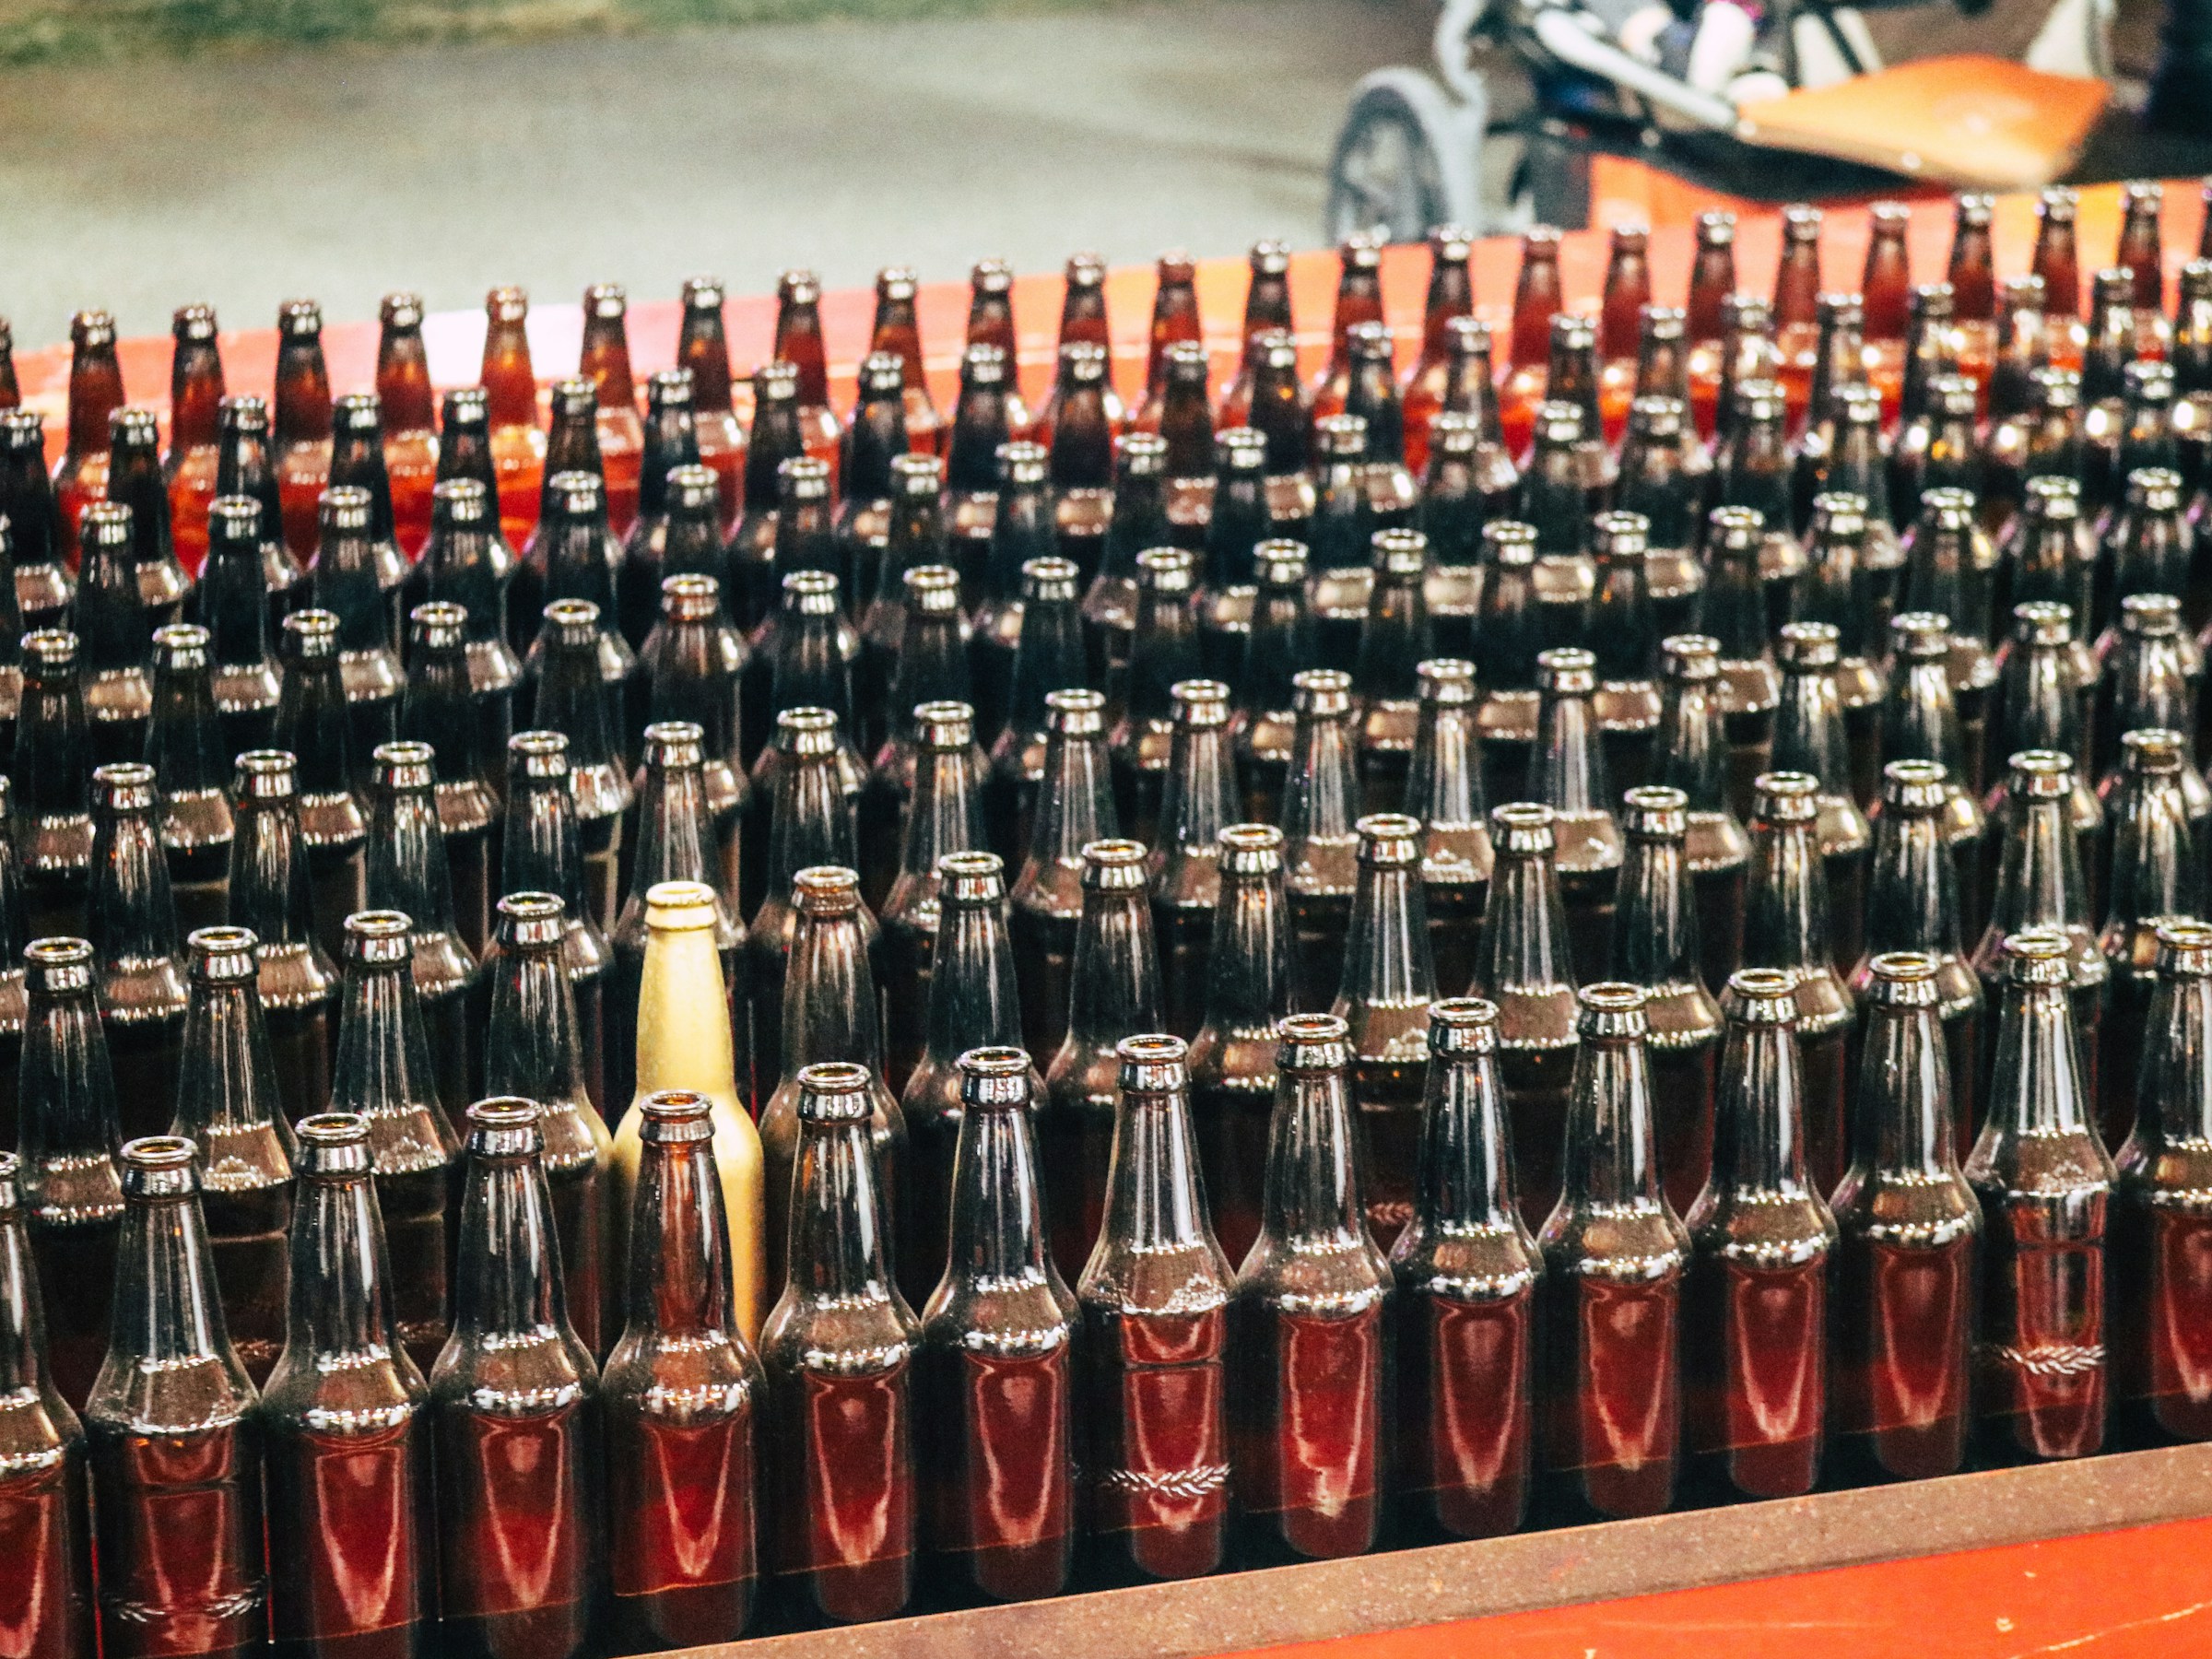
(798, 342)
(2041, 698)
(184, 746)
(1048, 658)
(358, 461)
(2022, 350)
(1950, 566)
(571, 533)
(1452, 514)
(541, 854)
(1266, 309)
(605, 361)
(684, 1042)
(175, 1433)
(531, 1050)
(1567, 774)
(2157, 872)
(116, 630)
(516, 444)
(345, 1423)
(1755, 1310)
(1279, 413)
(572, 449)
(572, 699)
(931, 667)
(248, 466)
(695, 661)
(1394, 640)
(228, 601)
(271, 897)
(1282, 642)
(1837, 593)
(135, 481)
(1020, 531)
(301, 434)
(877, 436)
(2158, 1291)
(1655, 947)
(403, 394)
(133, 928)
(702, 348)
(515, 1411)
(69, 1134)
(831, 1012)
(1444, 793)
(383, 1074)
(2040, 885)
(1839, 360)
(991, 320)
(983, 422)
(1523, 967)
(228, 1106)
(1913, 906)
(311, 724)
(1164, 652)
(95, 393)
(1572, 379)
(48, 1601)
(1237, 522)
(839, 1349)
(1075, 807)
(1537, 298)
(196, 394)
(1753, 473)
(1319, 806)
(1885, 282)
(896, 332)
(1624, 641)
(1311, 1320)
(1786, 910)
(12, 972)
(1114, 992)
(914, 538)
(1508, 637)
(44, 586)
(683, 1396)
(1615, 1261)
(810, 824)
(465, 564)
(974, 1002)
(803, 658)
(1694, 758)
(1359, 300)
(2147, 679)
(1909, 1228)
(1155, 1303)
(406, 872)
(1387, 982)
(1467, 1273)
(2044, 1182)
(343, 583)
(1341, 532)
(434, 709)
(1920, 722)
(1232, 1061)
(1749, 686)
(943, 814)
(2042, 560)
(996, 1369)
(1451, 294)
(1810, 738)
(776, 438)
(1139, 521)
(1663, 469)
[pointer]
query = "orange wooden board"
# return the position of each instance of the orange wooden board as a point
(2141, 1593)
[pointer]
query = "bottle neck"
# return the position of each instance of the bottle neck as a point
(2174, 1101)
(1311, 1190)
(541, 851)
(1524, 944)
(683, 1027)
(68, 1088)
(811, 824)
(1116, 988)
(1075, 806)
(133, 918)
(837, 1244)
(1785, 907)
(1905, 1117)
(2157, 867)
(232, 600)
(1049, 657)
(830, 1011)
(2040, 881)
(1694, 749)
(1200, 798)
(997, 1225)
(1809, 730)
(1913, 889)
(1248, 965)
(226, 1080)
(1152, 1197)
(1388, 960)
(1656, 938)
(1922, 722)
(1610, 1156)
(1445, 784)
(1759, 1129)
(1466, 1167)
(507, 1282)
(407, 869)
(383, 1065)
(337, 1307)
(530, 1040)
(673, 836)
(944, 815)
(1567, 771)
(974, 995)
(2036, 1084)
(680, 1273)
(22, 1323)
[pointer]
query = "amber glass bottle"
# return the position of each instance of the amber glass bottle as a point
(407, 873)
(1444, 793)
(1075, 808)
(133, 928)
(270, 897)
(1199, 801)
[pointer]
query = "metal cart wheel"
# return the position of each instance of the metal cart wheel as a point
(1386, 174)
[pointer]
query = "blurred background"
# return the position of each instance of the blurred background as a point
(245, 151)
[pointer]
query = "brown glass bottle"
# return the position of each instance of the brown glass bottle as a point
(116, 632)
(1920, 722)
(695, 661)
(406, 872)
(1694, 758)
(1075, 807)
(996, 1375)
(1567, 774)
(383, 1074)
(1451, 294)
(1154, 1302)
(914, 539)
(133, 928)
(1340, 533)
(300, 431)
(1395, 639)
(1282, 642)
(931, 667)
(1164, 652)
(1266, 310)
(1624, 641)
(1444, 793)
(435, 710)
(830, 1013)
(1836, 593)
(1810, 738)
(228, 1106)
(2157, 1288)
(1755, 1305)
(1839, 360)
(228, 601)
(1537, 298)
(516, 444)
(1655, 947)
(943, 814)
(1309, 1324)
(572, 699)
(1905, 1283)
(1020, 531)
(876, 437)
(12, 974)
(702, 348)
(531, 1050)
(1525, 968)
(47, 1606)
(2157, 872)
(1615, 1261)
(776, 437)
(248, 466)
(68, 1138)
(1467, 1274)
(1386, 983)
(195, 394)
(1885, 283)
(1787, 912)
(541, 853)
(2044, 1182)
(798, 341)
(1199, 800)
(572, 542)
(403, 392)
(175, 1433)
(53, 773)
(516, 1413)
(1114, 992)
(311, 724)
(44, 584)
(95, 392)
(1139, 521)
(1237, 522)
(269, 895)
(358, 462)
(1735, 615)
(2045, 686)
(466, 563)
(135, 481)
(683, 1396)
(347, 1431)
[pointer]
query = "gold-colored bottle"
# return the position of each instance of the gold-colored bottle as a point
(684, 1042)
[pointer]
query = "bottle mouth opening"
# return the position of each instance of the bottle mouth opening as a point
(333, 1129)
(1251, 838)
(970, 866)
(1762, 986)
(1152, 1047)
(1454, 1018)
(375, 925)
(1114, 853)
(59, 951)
(676, 1106)
(2185, 934)
(159, 1152)
(533, 906)
(1311, 1028)
(1612, 997)
(1906, 967)
(671, 902)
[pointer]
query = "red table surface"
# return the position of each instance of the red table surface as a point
(456, 338)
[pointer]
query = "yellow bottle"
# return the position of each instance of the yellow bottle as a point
(684, 1042)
